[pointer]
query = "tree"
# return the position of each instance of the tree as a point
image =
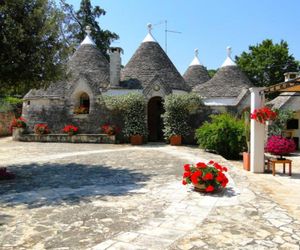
(31, 49)
(76, 22)
(265, 63)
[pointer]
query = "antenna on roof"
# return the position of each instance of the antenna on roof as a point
(166, 33)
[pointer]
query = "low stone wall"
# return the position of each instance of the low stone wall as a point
(80, 138)
(5, 120)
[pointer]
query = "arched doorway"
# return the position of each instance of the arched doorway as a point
(155, 122)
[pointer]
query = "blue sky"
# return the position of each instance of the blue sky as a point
(209, 25)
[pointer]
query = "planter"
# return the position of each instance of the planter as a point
(175, 140)
(199, 187)
(246, 161)
(136, 140)
(17, 133)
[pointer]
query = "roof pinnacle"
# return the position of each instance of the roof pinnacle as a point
(196, 58)
(149, 37)
(88, 39)
(228, 61)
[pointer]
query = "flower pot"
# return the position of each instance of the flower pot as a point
(136, 139)
(199, 187)
(246, 161)
(175, 140)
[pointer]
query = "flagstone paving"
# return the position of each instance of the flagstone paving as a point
(88, 196)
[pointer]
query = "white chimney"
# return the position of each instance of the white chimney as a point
(290, 76)
(115, 66)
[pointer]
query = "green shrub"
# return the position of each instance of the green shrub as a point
(10, 104)
(132, 107)
(177, 110)
(224, 135)
(279, 124)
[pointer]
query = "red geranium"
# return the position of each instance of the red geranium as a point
(41, 129)
(110, 129)
(263, 114)
(70, 129)
(18, 123)
(210, 174)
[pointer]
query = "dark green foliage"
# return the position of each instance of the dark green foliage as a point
(279, 124)
(11, 104)
(177, 110)
(132, 108)
(31, 50)
(224, 135)
(212, 72)
(265, 63)
(76, 22)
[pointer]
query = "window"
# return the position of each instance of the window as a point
(84, 104)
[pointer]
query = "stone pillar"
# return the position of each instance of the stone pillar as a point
(115, 66)
(257, 133)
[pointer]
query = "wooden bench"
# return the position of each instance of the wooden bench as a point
(272, 162)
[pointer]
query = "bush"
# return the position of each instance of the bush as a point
(224, 135)
(178, 107)
(11, 104)
(132, 107)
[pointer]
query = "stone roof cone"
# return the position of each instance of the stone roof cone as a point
(150, 61)
(196, 73)
(89, 62)
(229, 81)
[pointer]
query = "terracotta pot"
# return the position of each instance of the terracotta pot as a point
(199, 187)
(175, 140)
(136, 139)
(246, 161)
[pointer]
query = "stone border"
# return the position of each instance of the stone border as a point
(79, 138)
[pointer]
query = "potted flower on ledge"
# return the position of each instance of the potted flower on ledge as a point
(70, 129)
(41, 129)
(17, 127)
(206, 177)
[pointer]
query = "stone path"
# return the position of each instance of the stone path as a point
(88, 196)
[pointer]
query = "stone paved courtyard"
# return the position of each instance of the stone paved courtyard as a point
(91, 196)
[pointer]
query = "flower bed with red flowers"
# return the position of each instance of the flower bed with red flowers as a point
(41, 129)
(263, 114)
(70, 129)
(110, 129)
(279, 145)
(18, 123)
(211, 175)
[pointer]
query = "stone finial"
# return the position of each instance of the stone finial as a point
(149, 37)
(88, 30)
(229, 51)
(196, 53)
(149, 26)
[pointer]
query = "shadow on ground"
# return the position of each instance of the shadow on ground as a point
(37, 185)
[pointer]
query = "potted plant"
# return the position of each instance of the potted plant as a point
(81, 110)
(110, 129)
(135, 118)
(41, 129)
(208, 177)
(279, 145)
(70, 129)
(18, 126)
(263, 115)
(246, 154)
(178, 107)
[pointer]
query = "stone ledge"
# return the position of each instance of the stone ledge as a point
(79, 138)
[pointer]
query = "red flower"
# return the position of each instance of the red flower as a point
(184, 182)
(218, 166)
(187, 174)
(195, 175)
(210, 162)
(201, 165)
(210, 188)
(224, 169)
(208, 176)
(187, 167)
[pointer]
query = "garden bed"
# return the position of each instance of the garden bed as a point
(79, 138)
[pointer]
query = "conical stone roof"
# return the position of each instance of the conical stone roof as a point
(196, 73)
(229, 81)
(149, 62)
(89, 62)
